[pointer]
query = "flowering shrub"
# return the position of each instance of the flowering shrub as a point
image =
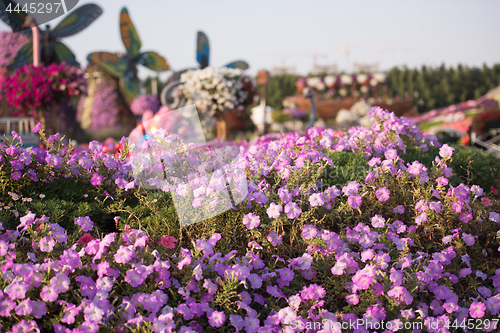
(486, 120)
(401, 250)
(217, 89)
(143, 103)
(341, 85)
(33, 87)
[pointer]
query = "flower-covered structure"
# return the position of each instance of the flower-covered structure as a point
(143, 103)
(215, 90)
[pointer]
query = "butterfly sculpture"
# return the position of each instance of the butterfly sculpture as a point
(124, 66)
(203, 57)
(52, 50)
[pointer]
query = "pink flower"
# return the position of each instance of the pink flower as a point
(60, 283)
(486, 201)
(167, 241)
(123, 255)
(292, 210)
(476, 309)
(354, 201)
(274, 210)
(85, 239)
(48, 294)
(382, 194)
(96, 179)
(216, 318)
(446, 151)
(37, 127)
(251, 220)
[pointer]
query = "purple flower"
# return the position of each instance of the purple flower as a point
(378, 221)
(495, 217)
(399, 209)
(95, 147)
(274, 239)
(54, 161)
(351, 188)
(134, 278)
(309, 231)
(465, 216)
(39, 309)
(382, 194)
(251, 221)
(446, 151)
(316, 199)
(415, 168)
(123, 255)
(391, 154)
(435, 206)
(468, 239)
(24, 308)
(17, 290)
(442, 181)
(85, 223)
(216, 318)
(37, 127)
(421, 218)
(16, 175)
(60, 283)
(17, 165)
(362, 281)
(47, 244)
(292, 210)
(354, 201)
(92, 313)
(456, 207)
(48, 294)
(352, 299)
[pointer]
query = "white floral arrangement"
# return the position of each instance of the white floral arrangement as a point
(215, 89)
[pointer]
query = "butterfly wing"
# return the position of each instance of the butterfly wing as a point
(98, 57)
(153, 61)
(129, 35)
(109, 62)
(240, 64)
(202, 50)
(129, 87)
(64, 54)
(14, 19)
(76, 21)
(24, 57)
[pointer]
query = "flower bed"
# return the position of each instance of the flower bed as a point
(337, 234)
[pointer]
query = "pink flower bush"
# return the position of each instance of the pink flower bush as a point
(33, 87)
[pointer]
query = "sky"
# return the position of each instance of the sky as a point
(272, 32)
